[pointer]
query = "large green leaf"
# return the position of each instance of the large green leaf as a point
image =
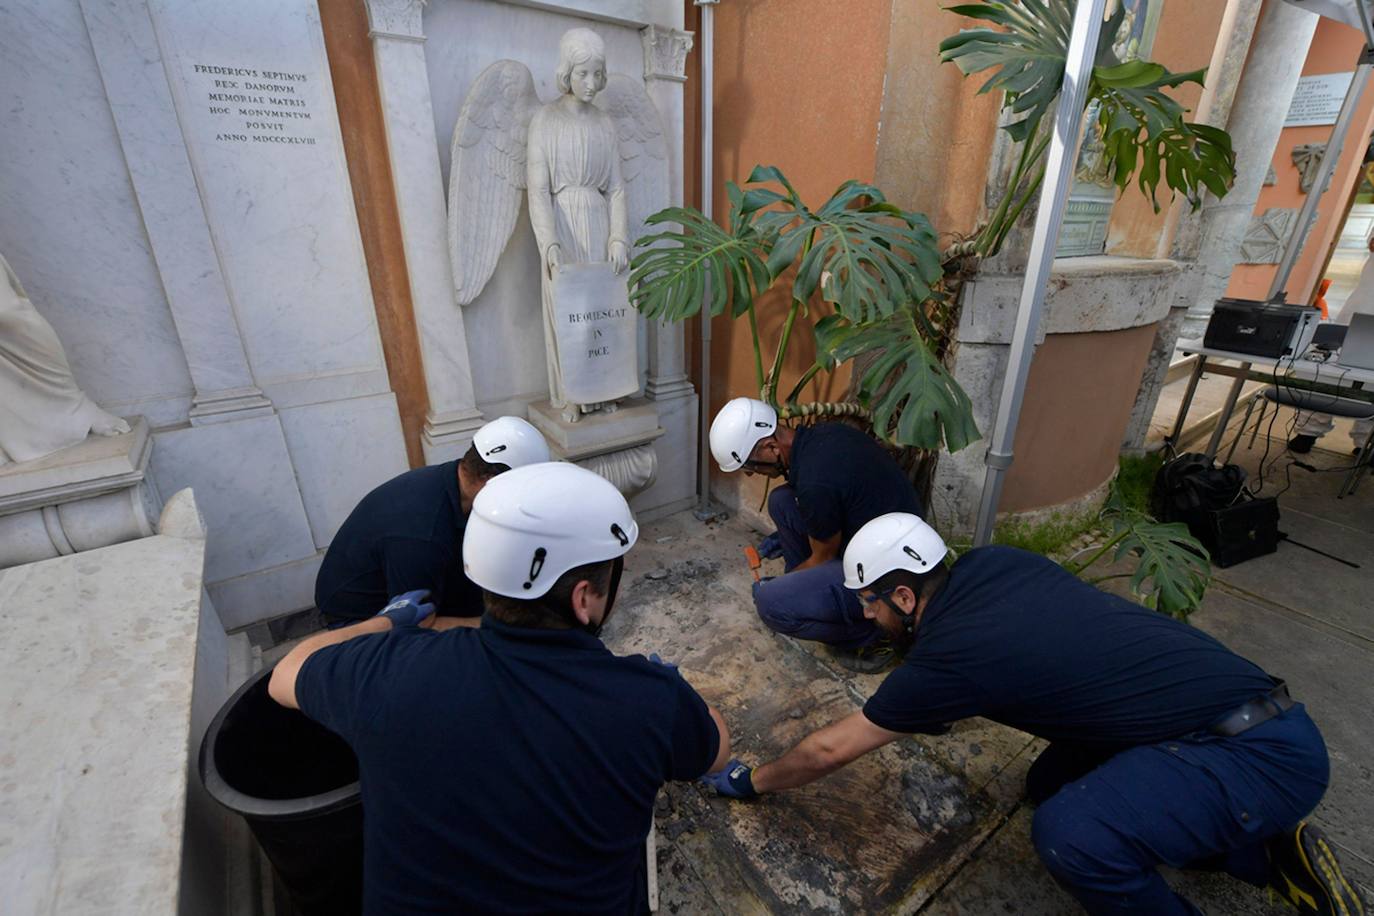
(863, 254)
(669, 273)
(1027, 54)
(913, 399)
(1140, 126)
(1137, 121)
(1173, 568)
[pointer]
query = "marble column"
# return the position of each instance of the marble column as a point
(668, 385)
(130, 61)
(665, 71)
(397, 34)
(1272, 69)
(1182, 236)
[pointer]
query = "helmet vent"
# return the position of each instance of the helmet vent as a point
(620, 534)
(913, 554)
(860, 569)
(536, 565)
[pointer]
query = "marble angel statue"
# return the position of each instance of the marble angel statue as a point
(594, 165)
(42, 409)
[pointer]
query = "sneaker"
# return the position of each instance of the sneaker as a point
(870, 659)
(1301, 444)
(1304, 871)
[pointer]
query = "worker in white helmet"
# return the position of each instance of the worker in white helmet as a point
(511, 768)
(1165, 746)
(836, 479)
(407, 534)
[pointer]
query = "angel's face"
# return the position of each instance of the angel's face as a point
(587, 79)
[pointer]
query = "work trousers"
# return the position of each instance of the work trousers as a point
(810, 603)
(1106, 821)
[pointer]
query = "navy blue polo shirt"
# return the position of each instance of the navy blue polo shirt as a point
(505, 769)
(1017, 639)
(404, 535)
(844, 479)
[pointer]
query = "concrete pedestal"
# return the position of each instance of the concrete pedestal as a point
(90, 495)
(617, 445)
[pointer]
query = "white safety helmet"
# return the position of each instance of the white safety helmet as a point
(532, 524)
(897, 540)
(738, 427)
(510, 441)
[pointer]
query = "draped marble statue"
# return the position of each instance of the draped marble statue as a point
(41, 408)
(594, 164)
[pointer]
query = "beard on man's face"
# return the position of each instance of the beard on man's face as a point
(893, 627)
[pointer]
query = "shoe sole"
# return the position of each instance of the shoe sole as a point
(1320, 862)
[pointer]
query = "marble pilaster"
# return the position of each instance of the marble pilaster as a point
(665, 66)
(131, 66)
(398, 44)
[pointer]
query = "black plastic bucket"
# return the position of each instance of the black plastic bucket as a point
(296, 784)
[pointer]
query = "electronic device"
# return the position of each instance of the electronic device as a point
(1329, 336)
(1357, 351)
(1266, 329)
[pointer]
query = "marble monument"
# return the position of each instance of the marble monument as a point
(593, 165)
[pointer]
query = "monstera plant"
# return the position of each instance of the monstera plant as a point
(869, 267)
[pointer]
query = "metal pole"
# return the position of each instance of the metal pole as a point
(1068, 123)
(1298, 236)
(707, 52)
(1365, 24)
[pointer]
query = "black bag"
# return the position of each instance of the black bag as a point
(1212, 502)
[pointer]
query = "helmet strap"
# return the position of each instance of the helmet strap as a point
(617, 569)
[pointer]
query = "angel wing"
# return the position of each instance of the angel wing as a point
(487, 176)
(643, 148)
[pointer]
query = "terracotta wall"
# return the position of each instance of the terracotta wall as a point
(797, 87)
(1184, 41)
(936, 138)
(1334, 49)
(1078, 401)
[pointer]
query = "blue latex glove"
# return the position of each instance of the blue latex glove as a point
(735, 781)
(408, 610)
(653, 657)
(754, 589)
(770, 548)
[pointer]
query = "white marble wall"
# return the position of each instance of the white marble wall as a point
(209, 280)
(200, 256)
(69, 221)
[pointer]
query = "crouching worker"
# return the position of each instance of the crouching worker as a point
(1165, 747)
(407, 534)
(511, 768)
(838, 478)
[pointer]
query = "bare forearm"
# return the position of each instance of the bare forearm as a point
(449, 623)
(805, 763)
(822, 752)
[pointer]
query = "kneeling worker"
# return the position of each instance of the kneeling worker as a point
(407, 534)
(511, 768)
(1165, 746)
(838, 478)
